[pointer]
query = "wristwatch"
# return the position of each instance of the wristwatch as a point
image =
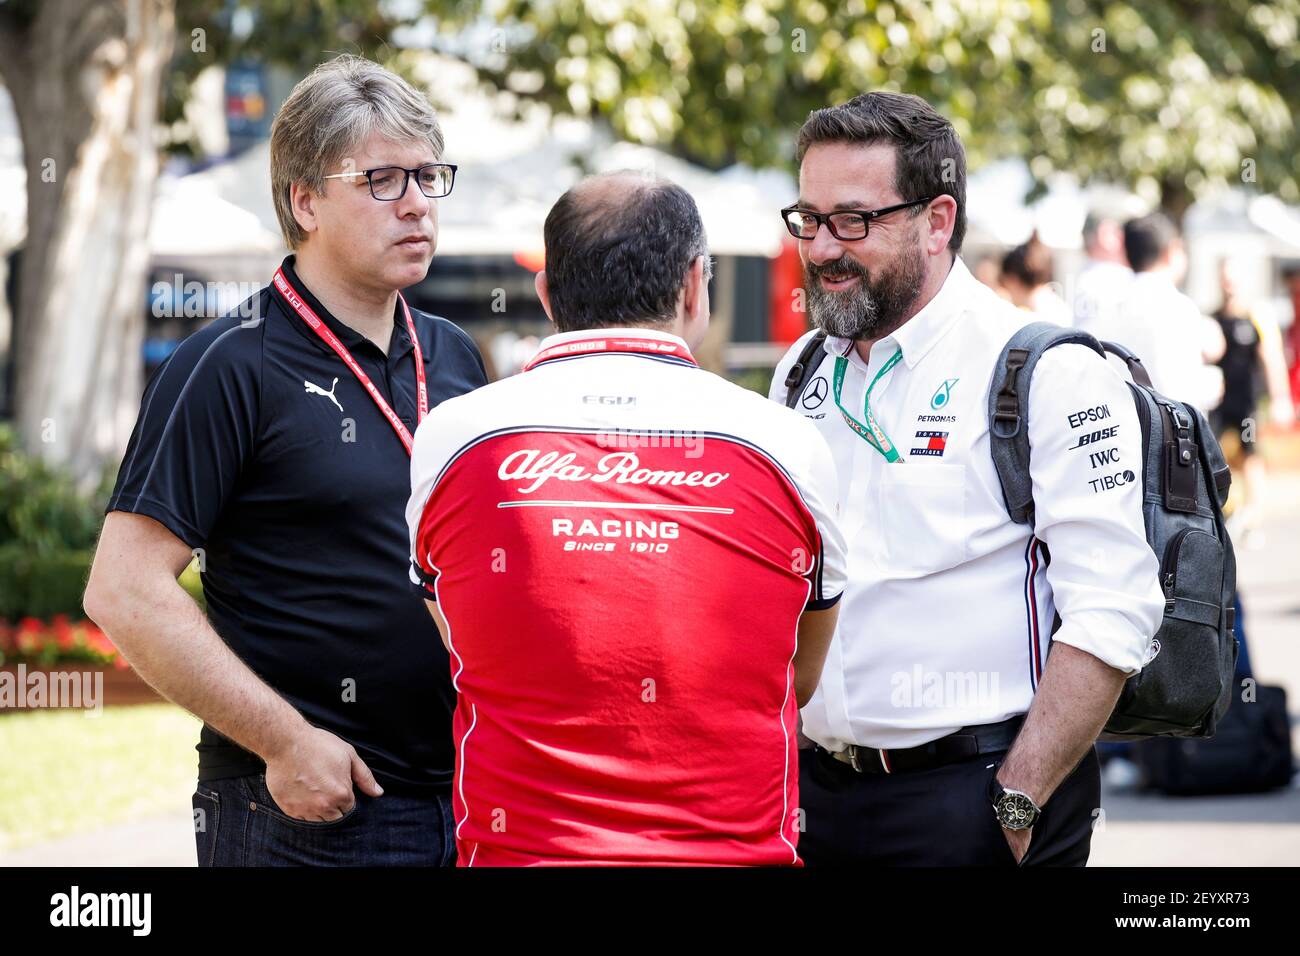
(1015, 810)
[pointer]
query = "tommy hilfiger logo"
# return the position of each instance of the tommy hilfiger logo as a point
(317, 390)
(935, 444)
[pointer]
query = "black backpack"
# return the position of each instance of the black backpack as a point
(1186, 685)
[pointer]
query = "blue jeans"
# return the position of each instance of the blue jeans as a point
(236, 823)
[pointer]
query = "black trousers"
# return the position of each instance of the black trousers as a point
(939, 817)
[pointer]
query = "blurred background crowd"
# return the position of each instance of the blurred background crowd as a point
(1132, 172)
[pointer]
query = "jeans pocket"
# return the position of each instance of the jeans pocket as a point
(207, 816)
(263, 802)
(447, 818)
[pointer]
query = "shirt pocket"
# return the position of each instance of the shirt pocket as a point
(923, 517)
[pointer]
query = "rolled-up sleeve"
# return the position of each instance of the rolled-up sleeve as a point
(1087, 473)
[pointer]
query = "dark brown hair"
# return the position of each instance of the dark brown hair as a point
(1030, 262)
(621, 258)
(930, 160)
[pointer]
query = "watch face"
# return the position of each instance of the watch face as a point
(1016, 811)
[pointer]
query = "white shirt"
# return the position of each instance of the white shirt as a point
(947, 615)
(1166, 330)
(1098, 291)
(1047, 306)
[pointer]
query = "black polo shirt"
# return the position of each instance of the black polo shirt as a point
(257, 444)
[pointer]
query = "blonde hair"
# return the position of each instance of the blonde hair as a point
(331, 113)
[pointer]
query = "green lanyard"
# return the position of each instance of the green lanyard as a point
(871, 432)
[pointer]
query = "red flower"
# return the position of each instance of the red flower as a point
(58, 640)
(30, 635)
(64, 635)
(100, 643)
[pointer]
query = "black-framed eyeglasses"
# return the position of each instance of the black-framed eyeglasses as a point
(844, 224)
(388, 183)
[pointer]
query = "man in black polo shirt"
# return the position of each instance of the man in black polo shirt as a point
(275, 444)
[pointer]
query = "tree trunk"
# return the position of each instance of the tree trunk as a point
(86, 80)
(1175, 199)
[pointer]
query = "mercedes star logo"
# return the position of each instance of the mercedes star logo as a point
(816, 393)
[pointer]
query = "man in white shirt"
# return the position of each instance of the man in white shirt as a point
(1104, 279)
(953, 723)
(1158, 323)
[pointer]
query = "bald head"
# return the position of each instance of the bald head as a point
(605, 190)
(619, 247)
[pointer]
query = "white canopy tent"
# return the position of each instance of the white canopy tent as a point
(192, 219)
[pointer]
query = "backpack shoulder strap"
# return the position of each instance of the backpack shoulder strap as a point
(1136, 370)
(801, 372)
(1009, 409)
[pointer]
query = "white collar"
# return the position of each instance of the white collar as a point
(918, 334)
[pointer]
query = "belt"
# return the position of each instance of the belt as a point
(958, 745)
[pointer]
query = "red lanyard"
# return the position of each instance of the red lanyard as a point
(320, 328)
(595, 346)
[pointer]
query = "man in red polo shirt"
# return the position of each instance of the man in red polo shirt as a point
(633, 563)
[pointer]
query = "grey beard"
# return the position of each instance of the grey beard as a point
(852, 315)
(867, 311)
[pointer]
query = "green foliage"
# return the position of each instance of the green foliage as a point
(42, 585)
(1169, 96)
(41, 511)
(48, 532)
(47, 535)
(280, 32)
(1185, 96)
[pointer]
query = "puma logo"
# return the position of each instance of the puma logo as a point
(317, 390)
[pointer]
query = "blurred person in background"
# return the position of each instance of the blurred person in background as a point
(989, 271)
(1157, 322)
(1291, 283)
(1104, 279)
(1027, 276)
(1253, 365)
